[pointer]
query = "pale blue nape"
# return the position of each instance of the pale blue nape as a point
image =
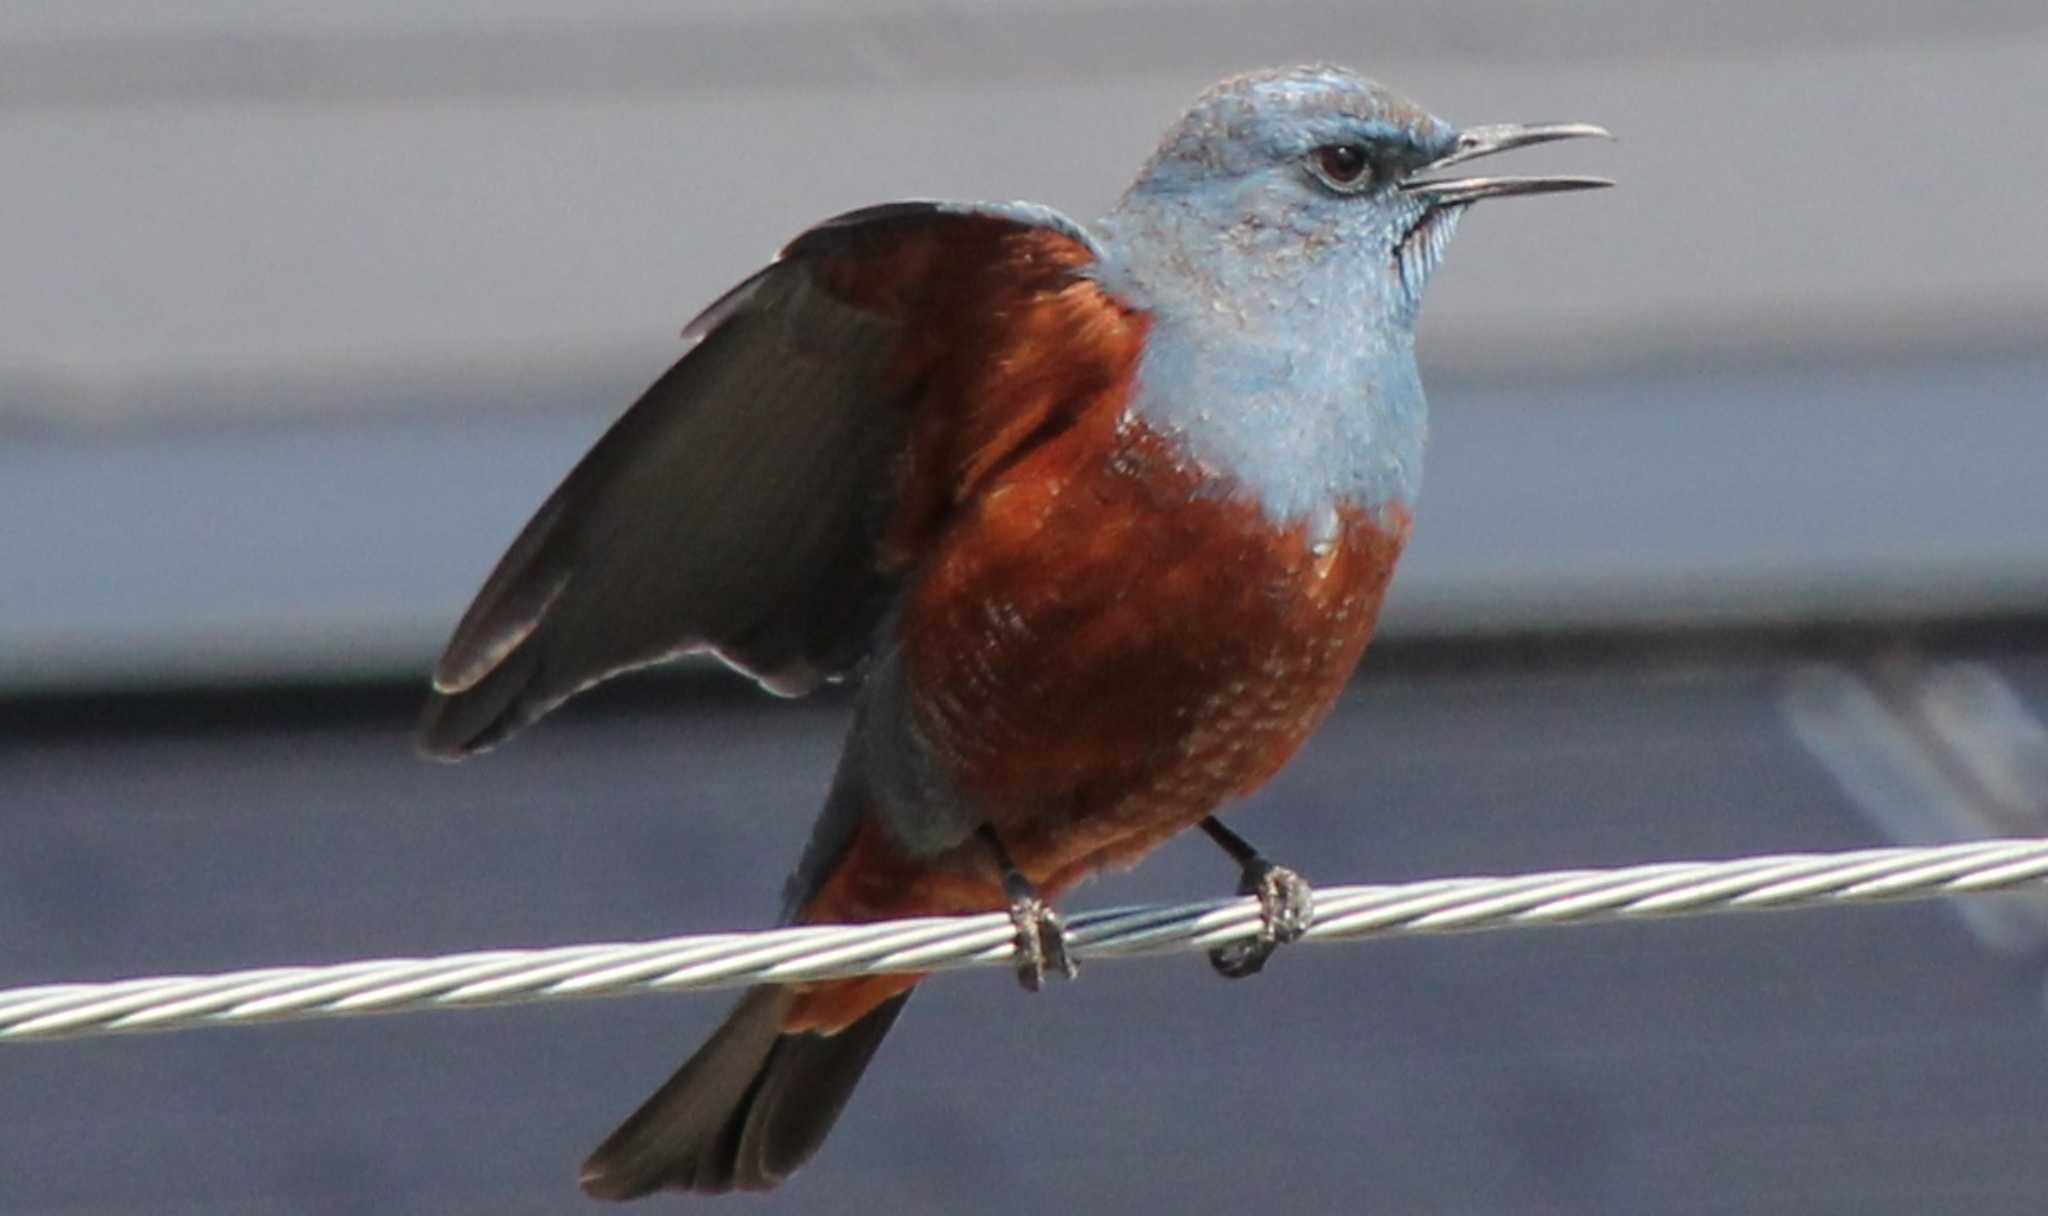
(1282, 349)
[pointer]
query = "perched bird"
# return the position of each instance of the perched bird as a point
(1100, 517)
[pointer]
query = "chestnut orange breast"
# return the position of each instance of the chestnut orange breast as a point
(1109, 643)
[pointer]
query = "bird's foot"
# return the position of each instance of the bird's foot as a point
(1041, 936)
(1287, 909)
(1041, 941)
(1287, 905)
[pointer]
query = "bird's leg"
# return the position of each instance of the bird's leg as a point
(1041, 938)
(1287, 905)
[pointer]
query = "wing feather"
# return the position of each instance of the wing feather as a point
(742, 505)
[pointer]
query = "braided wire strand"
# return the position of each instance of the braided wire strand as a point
(820, 952)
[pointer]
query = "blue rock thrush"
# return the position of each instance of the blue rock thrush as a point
(1100, 517)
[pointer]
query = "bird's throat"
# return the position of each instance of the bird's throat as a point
(1302, 430)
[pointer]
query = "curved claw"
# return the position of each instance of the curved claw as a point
(1041, 937)
(1041, 943)
(1287, 907)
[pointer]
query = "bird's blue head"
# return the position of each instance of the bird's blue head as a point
(1281, 238)
(1318, 166)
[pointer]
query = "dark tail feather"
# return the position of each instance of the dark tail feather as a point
(750, 1107)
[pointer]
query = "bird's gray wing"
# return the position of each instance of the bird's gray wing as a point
(740, 505)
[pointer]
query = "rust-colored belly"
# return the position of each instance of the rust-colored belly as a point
(1106, 647)
(1102, 652)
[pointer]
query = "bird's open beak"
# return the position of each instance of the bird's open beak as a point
(1475, 142)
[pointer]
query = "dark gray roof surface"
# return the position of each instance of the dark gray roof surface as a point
(1873, 1060)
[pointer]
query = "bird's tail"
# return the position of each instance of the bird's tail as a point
(752, 1105)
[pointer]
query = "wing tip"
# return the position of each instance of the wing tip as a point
(459, 723)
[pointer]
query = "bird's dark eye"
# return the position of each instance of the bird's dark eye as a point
(1342, 164)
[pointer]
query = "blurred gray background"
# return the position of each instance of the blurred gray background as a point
(1733, 542)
